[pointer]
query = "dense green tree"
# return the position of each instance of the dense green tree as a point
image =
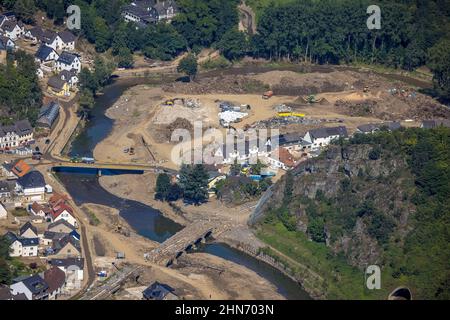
(189, 66)
(440, 65)
(125, 58)
(194, 182)
(233, 45)
(162, 186)
(25, 10)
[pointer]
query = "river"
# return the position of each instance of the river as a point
(84, 187)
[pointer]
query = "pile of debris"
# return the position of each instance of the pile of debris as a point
(358, 109)
(283, 108)
(278, 122)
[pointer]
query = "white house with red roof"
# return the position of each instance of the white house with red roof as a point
(64, 212)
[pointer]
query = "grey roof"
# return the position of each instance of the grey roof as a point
(431, 124)
(4, 42)
(36, 32)
(56, 82)
(59, 244)
(5, 292)
(11, 237)
(157, 291)
(54, 235)
(67, 58)
(33, 179)
(29, 242)
(48, 36)
(328, 132)
(142, 10)
(27, 226)
(36, 285)
(9, 25)
(20, 128)
(372, 127)
(59, 222)
(67, 75)
(43, 52)
(290, 139)
(79, 262)
(5, 186)
(48, 114)
(67, 36)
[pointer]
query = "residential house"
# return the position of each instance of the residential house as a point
(49, 237)
(51, 39)
(242, 151)
(7, 16)
(56, 280)
(64, 212)
(141, 12)
(16, 135)
(34, 34)
(322, 137)
(57, 199)
(432, 124)
(61, 226)
(70, 76)
(67, 40)
(66, 247)
(19, 168)
(13, 29)
(291, 141)
(6, 189)
(167, 9)
(281, 159)
(68, 61)
(58, 87)
(22, 247)
(34, 287)
(48, 115)
(3, 212)
(46, 54)
(74, 270)
(28, 231)
(159, 291)
(40, 210)
(6, 43)
(375, 127)
(31, 187)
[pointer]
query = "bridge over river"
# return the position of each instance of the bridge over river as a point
(185, 240)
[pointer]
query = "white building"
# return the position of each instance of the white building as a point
(319, 138)
(22, 247)
(68, 61)
(31, 187)
(13, 29)
(16, 135)
(33, 287)
(64, 212)
(74, 270)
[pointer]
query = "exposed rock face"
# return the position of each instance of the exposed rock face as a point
(379, 182)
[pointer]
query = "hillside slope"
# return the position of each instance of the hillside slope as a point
(376, 200)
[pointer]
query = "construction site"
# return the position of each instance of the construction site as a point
(146, 117)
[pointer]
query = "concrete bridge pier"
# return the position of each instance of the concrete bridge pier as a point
(99, 172)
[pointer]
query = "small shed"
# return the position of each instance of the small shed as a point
(159, 291)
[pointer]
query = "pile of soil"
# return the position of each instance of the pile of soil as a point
(219, 85)
(162, 134)
(358, 109)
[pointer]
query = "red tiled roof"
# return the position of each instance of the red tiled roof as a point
(55, 278)
(21, 168)
(57, 199)
(286, 157)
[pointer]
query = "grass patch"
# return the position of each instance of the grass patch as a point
(93, 220)
(213, 64)
(341, 281)
(19, 212)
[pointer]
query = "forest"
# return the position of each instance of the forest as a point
(20, 93)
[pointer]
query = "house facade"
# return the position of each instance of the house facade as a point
(31, 187)
(16, 135)
(319, 138)
(74, 270)
(13, 29)
(68, 61)
(33, 287)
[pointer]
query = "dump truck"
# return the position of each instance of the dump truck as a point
(267, 95)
